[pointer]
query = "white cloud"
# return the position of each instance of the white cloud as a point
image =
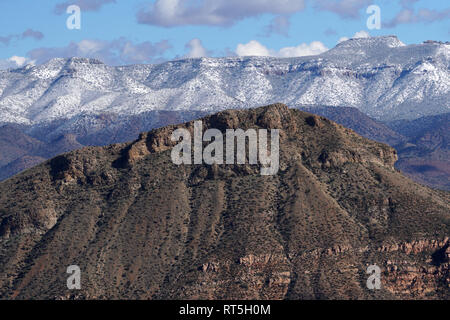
(344, 8)
(14, 62)
(407, 15)
(169, 13)
(254, 48)
(116, 52)
(361, 34)
(19, 61)
(29, 33)
(86, 47)
(303, 49)
(357, 35)
(85, 5)
(196, 49)
(279, 24)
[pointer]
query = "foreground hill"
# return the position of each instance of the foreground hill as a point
(141, 227)
(423, 159)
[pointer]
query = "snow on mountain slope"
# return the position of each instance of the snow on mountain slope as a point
(380, 76)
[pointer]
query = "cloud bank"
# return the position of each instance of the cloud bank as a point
(408, 15)
(359, 34)
(254, 48)
(85, 5)
(279, 25)
(116, 52)
(14, 62)
(29, 33)
(170, 13)
(348, 9)
(196, 49)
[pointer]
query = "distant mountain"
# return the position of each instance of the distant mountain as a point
(141, 227)
(14, 143)
(380, 76)
(425, 155)
(431, 130)
(359, 122)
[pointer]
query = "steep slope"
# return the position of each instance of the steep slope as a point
(359, 122)
(142, 227)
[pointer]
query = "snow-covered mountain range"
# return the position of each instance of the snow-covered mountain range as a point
(380, 76)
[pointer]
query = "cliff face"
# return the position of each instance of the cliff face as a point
(141, 227)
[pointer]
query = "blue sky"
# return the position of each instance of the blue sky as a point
(139, 31)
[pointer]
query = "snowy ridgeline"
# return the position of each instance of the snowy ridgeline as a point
(380, 76)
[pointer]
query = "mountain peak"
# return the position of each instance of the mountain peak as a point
(369, 43)
(292, 123)
(390, 41)
(63, 63)
(78, 60)
(73, 60)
